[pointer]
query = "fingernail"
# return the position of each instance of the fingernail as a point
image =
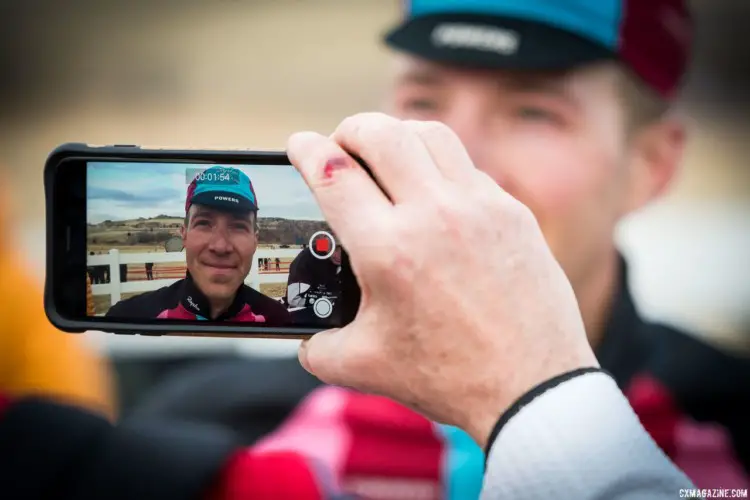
(302, 355)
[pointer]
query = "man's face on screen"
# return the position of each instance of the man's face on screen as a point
(219, 249)
(556, 142)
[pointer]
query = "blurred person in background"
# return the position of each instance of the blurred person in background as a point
(36, 359)
(52, 450)
(571, 110)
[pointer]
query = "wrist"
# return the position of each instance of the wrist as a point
(480, 426)
(488, 419)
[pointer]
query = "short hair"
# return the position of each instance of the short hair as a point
(189, 214)
(643, 106)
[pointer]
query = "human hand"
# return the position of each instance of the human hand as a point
(464, 308)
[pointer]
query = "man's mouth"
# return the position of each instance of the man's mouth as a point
(223, 267)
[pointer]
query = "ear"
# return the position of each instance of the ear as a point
(656, 155)
(183, 232)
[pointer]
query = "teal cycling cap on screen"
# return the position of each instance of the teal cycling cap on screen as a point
(226, 188)
(651, 37)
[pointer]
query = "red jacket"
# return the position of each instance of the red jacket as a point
(51, 450)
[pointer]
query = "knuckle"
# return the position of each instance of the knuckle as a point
(308, 149)
(434, 131)
(392, 262)
(516, 213)
(403, 268)
(494, 199)
(365, 127)
(448, 212)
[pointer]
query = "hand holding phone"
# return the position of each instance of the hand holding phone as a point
(464, 307)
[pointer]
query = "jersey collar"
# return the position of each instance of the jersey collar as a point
(621, 350)
(193, 299)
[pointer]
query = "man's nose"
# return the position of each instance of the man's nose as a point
(219, 242)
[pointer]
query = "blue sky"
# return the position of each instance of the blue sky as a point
(121, 191)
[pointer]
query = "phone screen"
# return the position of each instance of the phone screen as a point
(205, 242)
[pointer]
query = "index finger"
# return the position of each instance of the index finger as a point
(395, 152)
(349, 198)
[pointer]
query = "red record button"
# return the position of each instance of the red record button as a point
(322, 245)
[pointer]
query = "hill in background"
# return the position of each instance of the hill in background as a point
(157, 230)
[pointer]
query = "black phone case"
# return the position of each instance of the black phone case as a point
(162, 327)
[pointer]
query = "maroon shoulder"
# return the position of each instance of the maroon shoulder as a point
(703, 450)
(4, 403)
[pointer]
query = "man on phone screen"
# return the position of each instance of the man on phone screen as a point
(315, 276)
(220, 236)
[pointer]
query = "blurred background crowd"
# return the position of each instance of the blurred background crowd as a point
(250, 72)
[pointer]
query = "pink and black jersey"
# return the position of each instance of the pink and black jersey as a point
(184, 301)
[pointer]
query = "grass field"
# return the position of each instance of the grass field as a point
(102, 305)
(274, 290)
(150, 234)
(103, 249)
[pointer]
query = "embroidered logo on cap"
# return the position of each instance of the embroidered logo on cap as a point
(226, 198)
(471, 36)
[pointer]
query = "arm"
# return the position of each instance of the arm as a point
(576, 436)
(295, 294)
(48, 448)
(298, 283)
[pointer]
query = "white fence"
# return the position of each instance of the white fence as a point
(115, 288)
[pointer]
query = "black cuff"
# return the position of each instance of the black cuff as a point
(528, 398)
(56, 451)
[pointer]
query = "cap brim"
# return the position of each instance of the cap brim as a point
(224, 201)
(538, 46)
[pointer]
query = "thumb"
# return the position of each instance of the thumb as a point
(322, 355)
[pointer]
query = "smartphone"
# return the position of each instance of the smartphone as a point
(150, 241)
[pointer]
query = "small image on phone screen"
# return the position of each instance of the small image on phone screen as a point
(209, 243)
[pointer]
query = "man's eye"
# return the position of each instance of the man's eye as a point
(200, 222)
(241, 227)
(420, 105)
(535, 113)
